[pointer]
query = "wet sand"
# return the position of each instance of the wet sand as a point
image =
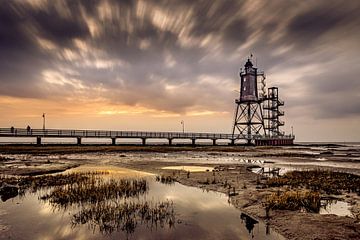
(291, 224)
(248, 197)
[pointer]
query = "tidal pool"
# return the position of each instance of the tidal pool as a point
(156, 211)
(339, 208)
(190, 168)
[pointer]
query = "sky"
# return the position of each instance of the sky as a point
(150, 64)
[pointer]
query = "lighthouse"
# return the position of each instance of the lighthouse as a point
(248, 121)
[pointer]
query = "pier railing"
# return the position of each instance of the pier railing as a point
(23, 132)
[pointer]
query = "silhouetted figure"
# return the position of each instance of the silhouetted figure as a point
(28, 129)
(12, 129)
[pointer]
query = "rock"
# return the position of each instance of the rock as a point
(8, 191)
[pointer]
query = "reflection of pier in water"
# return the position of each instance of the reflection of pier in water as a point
(266, 171)
(273, 172)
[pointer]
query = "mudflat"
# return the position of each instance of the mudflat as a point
(231, 171)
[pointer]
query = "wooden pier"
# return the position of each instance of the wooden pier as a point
(39, 134)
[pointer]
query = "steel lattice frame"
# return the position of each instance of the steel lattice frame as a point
(273, 113)
(248, 120)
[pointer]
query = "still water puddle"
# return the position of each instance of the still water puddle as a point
(147, 210)
(339, 208)
(115, 172)
(270, 171)
(190, 168)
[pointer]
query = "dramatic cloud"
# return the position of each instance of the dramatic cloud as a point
(179, 56)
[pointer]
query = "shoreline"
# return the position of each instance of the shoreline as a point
(87, 148)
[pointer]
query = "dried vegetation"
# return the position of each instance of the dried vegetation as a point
(294, 200)
(328, 182)
(166, 179)
(110, 216)
(104, 203)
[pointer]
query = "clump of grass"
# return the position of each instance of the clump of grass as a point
(35, 183)
(165, 179)
(95, 190)
(125, 216)
(45, 181)
(330, 182)
(294, 200)
(8, 180)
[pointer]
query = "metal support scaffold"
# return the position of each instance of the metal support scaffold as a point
(248, 120)
(272, 115)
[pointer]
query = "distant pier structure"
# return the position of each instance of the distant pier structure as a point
(257, 111)
(257, 121)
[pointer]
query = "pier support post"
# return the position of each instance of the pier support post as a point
(143, 141)
(113, 141)
(170, 141)
(38, 140)
(214, 142)
(78, 140)
(193, 141)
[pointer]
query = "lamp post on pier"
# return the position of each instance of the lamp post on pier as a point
(43, 121)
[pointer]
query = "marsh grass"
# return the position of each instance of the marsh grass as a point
(104, 203)
(166, 179)
(8, 180)
(294, 200)
(95, 190)
(44, 181)
(329, 182)
(110, 216)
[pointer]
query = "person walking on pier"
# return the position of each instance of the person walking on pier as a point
(12, 129)
(28, 130)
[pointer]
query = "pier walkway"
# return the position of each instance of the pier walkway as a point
(113, 135)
